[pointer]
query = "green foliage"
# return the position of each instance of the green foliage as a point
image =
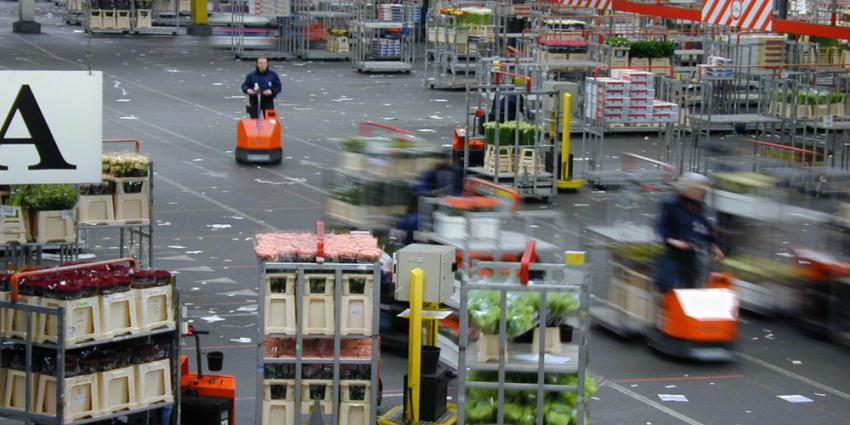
(50, 197)
(618, 41)
(652, 49)
(17, 195)
(508, 131)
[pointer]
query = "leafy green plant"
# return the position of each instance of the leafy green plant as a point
(16, 196)
(50, 197)
(639, 49)
(618, 41)
(836, 97)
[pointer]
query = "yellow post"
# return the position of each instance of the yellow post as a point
(414, 345)
(432, 327)
(199, 12)
(566, 180)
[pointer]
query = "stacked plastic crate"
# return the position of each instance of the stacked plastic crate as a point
(106, 335)
(320, 333)
(627, 97)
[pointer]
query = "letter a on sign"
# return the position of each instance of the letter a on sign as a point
(40, 136)
(50, 127)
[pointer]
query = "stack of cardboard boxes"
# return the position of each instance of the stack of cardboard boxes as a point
(627, 97)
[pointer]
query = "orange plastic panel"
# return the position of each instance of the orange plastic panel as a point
(678, 325)
(254, 134)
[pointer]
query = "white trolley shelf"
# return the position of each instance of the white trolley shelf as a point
(310, 312)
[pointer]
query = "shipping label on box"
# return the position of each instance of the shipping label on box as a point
(641, 100)
(614, 117)
(641, 109)
(664, 117)
(613, 109)
(617, 101)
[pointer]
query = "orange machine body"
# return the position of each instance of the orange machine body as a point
(223, 386)
(259, 140)
(678, 324)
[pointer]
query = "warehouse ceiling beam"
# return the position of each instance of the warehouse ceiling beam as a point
(779, 25)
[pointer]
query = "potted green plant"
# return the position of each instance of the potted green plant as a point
(836, 104)
(660, 53)
(51, 208)
(619, 55)
(639, 53)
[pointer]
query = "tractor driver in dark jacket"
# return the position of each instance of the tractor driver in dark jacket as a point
(266, 82)
(685, 231)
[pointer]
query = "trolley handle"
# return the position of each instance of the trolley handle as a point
(14, 282)
(528, 257)
(320, 241)
(137, 145)
(366, 128)
(498, 80)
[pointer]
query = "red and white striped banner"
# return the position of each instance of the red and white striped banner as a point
(747, 14)
(590, 4)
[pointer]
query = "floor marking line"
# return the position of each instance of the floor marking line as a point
(217, 203)
(677, 379)
(793, 375)
(212, 149)
(165, 130)
(652, 403)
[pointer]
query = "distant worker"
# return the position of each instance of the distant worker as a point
(685, 232)
(442, 180)
(266, 82)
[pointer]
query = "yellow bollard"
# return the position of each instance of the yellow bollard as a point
(414, 345)
(566, 180)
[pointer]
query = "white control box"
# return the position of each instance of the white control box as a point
(438, 263)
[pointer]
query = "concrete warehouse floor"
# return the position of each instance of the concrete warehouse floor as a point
(181, 98)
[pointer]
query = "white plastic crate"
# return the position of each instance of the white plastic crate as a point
(278, 413)
(488, 348)
(319, 283)
(280, 314)
(13, 228)
(553, 341)
(16, 320)
(143, 18)
(82, 321)
(132, 208)
(81, 397)
(153, 383)
(155, 308)
(356, 315)
(99, 209)
(355, 391)
(271, 387)
(276, 281)
(109, 21)
(354, 413)
(117, 390)
(318, 315)
(122, 19)
(118, 314)
(95, 19)
(54, 226)
(14, 390)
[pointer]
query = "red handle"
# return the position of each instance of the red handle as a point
(365, 128)
(527, 78)
(528, 257)
(14, 281)
(320, 241)
(136, 144)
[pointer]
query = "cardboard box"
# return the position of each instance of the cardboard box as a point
(616, 101)
(640, 109)
(641, 100)
(638, 117)
(665, 107)
(665, 117)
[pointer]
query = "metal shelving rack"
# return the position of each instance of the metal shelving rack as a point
(337, 361)
(572, 277)
(27, 416)
(368, 29)
(311, 24)
(261, 33)
(452, 52)
(162, 21)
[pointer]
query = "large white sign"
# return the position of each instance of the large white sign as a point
(51, 127)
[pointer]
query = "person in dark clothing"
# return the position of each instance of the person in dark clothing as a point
(266, 82)
(685, 230)
(442, 180)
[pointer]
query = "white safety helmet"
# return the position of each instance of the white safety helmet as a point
(689, 180)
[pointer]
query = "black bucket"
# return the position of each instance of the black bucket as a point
(430, 359)
(215, 360)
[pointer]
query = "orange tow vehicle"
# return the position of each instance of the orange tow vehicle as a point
(258, 141)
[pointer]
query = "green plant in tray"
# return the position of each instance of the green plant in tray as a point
(50, 197)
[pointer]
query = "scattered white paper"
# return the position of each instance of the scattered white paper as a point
(242, 340)
(122, 100)
(673, 397)
(670, 386)
(820, 395)
(212, 319)
(795, 398)
(548, 358)
(194, 252)
(436, 117)
(796, 362)
(129, 117)
(219, 226)
(176, 247)
(164, 224)
(426, 130)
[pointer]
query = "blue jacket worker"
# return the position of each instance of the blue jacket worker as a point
(266, 82)
(684, 230)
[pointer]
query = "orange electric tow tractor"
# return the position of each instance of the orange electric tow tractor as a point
(206, 398)
(697, 324)
(258, 141)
